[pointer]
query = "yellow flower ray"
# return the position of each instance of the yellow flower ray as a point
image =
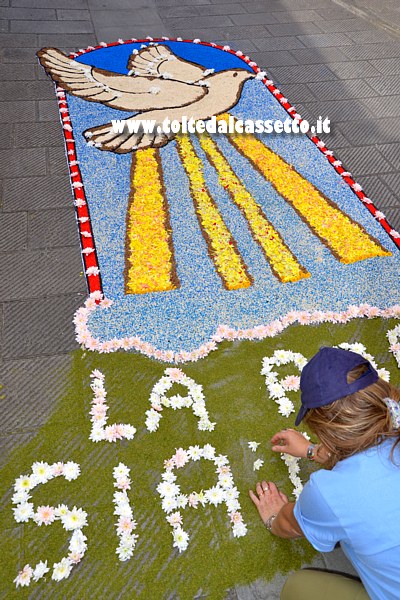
(347, 240)
(282, 261)
(221, 245)
(150, 264)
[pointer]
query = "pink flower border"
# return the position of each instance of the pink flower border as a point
(223, 333)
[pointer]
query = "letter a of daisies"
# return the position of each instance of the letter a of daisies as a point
(224, 492)
(194, 400)
(72, 519)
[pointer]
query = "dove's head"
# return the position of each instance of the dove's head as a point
(229, 83)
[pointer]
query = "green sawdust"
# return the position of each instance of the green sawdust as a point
(237, 399)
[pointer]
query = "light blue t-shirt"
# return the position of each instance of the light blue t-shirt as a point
(357, 503)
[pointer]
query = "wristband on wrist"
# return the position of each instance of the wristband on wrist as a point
(269, 521)
(310, 452)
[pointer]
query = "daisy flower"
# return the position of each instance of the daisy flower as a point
(40, 570)
(62, 569)
(24, 577)
(44, 515)
(253, 445)
(258, 464)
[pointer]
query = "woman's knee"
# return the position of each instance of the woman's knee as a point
(310, 584)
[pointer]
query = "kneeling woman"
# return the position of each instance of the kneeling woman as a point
(355, 501)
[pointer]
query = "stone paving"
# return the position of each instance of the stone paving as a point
(330, 57)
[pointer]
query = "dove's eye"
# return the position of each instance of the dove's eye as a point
(235, 75)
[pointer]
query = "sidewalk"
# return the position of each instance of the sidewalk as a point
(327, 59)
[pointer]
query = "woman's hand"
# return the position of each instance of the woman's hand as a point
(268, 499)
(291, 442)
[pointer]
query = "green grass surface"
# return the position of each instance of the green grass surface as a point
(237, 400)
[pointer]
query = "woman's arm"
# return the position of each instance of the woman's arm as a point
(294, 443)
(270, 501)
(285, 524)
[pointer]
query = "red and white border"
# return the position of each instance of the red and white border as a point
(89, 257)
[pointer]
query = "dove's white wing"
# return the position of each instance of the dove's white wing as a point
(123, 92)
(159, 60)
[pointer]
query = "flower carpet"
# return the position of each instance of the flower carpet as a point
(217, 265)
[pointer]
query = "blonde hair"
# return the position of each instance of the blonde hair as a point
(355, 422)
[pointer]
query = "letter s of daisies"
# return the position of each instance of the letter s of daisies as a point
(224, 492)
(125, 524)
(194, 400)
(100, 430)
(72, 519)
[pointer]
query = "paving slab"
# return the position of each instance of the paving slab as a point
(308, 56)
(381, 195)
(387, 66)
(48, 110)
(385, 86)
(388, 106)
(18, 40)
(13, 232)
(272, 44)
(52, 228)
(296, 16)
(342, 25)
(66, 14)
(38, 135)
(35, 90)
(49, 3)
(28, 14)
(353, 69)
(51, 26)
(17, 55)
(372, 131)
(120, 18)
(364, 160)
(56, 162)
(6, 135)
(246, 46)
(392, 180)
(261, 18)
(272, 59)
(37, 193)
(322, 40)
(41, 273)
(339, 89)
(45, 378)
(9, 72)
(37, 327)
(70, 41)
(303, 73)
(222, 33)
(370, 37)
(22, 162)
(284, 29)
(392, 153)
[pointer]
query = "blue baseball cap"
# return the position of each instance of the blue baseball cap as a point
(324, 378)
